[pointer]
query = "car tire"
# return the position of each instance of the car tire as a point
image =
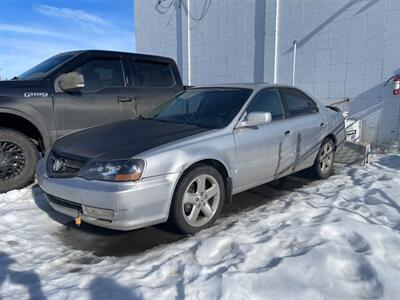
(323, 165)
(18, 157)
(198, 199)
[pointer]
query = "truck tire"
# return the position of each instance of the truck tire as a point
(18, 157)
(198, 200)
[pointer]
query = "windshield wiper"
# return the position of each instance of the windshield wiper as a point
(201, 125)
(144, 118)
(184, 122)
(159, 120)
(176, 121)
(169, 121)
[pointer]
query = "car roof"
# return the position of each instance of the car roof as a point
(253, 86)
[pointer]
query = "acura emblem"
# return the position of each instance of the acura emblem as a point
(58, 165)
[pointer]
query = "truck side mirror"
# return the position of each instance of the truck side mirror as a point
(71, 82)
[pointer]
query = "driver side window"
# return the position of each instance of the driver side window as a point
(268, 100)
(101, 73)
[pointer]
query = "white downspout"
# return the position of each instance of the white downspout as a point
(276, 52)
(189, 45)
(294, 61)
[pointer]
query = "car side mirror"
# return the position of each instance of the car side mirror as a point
(71, 82)
(257, 118)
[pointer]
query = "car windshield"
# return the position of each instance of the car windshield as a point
(41, 70)
(204, 107)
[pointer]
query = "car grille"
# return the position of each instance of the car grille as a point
(67, 167)
(65, 203)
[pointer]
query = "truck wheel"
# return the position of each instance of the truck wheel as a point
(323, 165)
(18, 157)
(198, 199)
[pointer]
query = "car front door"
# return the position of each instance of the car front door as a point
(104, 99)
(261, 151)
(308, 127)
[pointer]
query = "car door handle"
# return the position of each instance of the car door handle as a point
(124, 99)
(288, 132)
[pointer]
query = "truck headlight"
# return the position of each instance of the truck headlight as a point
(116, 170)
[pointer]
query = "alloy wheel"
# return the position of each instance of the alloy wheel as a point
(12, 160)
(326, 158)
(201, 200)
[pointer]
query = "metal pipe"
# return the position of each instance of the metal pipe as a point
(276, 54)
(189, 46)
(294, 61)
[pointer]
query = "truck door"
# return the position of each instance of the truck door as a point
(104, 99)
(154, 82)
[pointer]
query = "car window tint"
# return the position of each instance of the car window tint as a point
(150, 74)
(298, 103)
(101, 73)
(268, 101)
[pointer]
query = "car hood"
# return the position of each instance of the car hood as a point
(122, 140)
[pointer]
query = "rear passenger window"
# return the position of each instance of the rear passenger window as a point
(298, 103)
(150, 74)
(101, 73)
(268, 101)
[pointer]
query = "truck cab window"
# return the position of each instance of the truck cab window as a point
(101, 73)
(152, 74)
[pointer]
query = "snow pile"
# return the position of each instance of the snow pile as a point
(333, 239)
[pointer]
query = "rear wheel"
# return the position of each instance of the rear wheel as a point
(18, 157)
(323, 165)
(198, 199)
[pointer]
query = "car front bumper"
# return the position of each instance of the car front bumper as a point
(115, 205)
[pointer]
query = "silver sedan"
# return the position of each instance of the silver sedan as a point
(182, 161)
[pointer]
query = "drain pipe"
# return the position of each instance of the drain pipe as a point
(276, 55)
(189, 45)
(294, 61)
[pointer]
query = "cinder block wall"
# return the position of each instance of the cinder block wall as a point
(346, 48)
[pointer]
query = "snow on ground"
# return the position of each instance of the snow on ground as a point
(333, 239)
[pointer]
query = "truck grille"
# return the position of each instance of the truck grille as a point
(59, 166)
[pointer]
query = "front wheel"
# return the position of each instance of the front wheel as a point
(323, 165)
(198, 199)
(18, 156)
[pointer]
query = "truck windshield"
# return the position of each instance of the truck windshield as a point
(44, 68)
(204, 107)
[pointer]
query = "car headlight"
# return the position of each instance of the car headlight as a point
(116, 170)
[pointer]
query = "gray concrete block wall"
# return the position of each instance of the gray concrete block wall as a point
(346, 48)
(155, 35)
(221, 60)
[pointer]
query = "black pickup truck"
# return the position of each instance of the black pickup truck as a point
(73, 91)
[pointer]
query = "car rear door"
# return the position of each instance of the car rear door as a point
(104, 99)
(308, 127)
(154, 81)
(261, 152)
